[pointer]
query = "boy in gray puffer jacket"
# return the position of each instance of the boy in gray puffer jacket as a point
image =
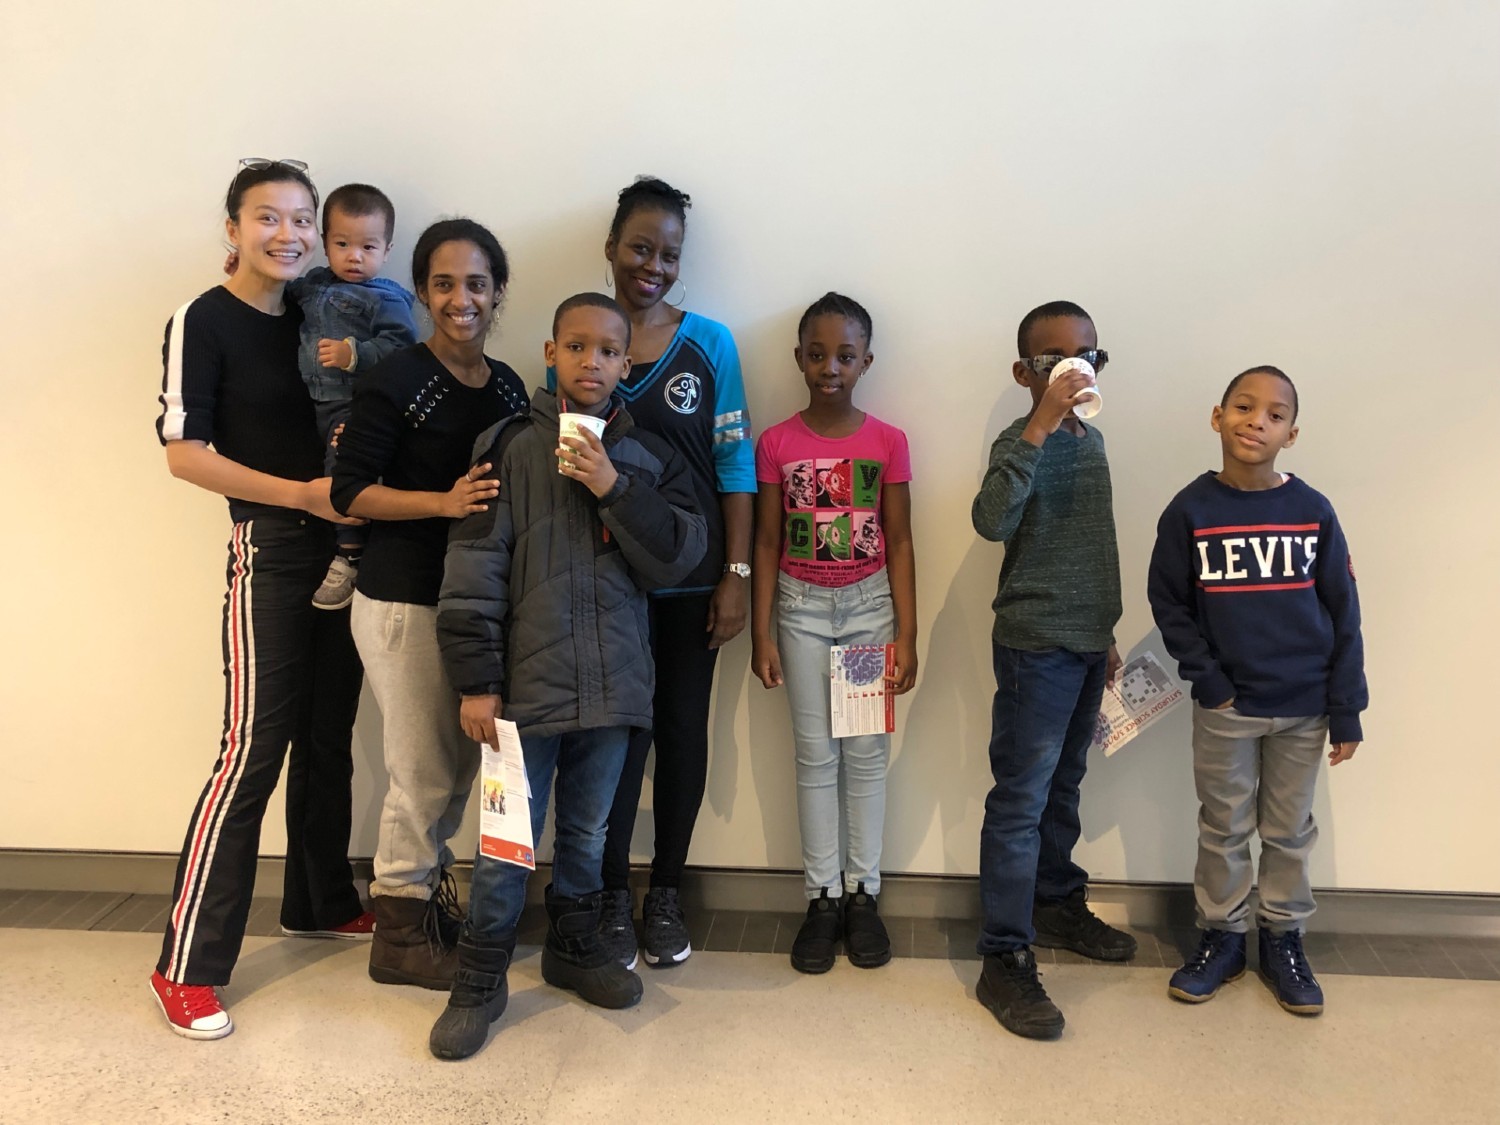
(543, 614)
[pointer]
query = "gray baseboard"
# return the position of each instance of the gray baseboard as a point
(1141, 905)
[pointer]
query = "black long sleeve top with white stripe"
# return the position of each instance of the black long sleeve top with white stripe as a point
(230, 379)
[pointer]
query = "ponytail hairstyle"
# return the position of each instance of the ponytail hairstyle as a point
(649, 194)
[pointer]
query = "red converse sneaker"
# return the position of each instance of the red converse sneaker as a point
(192, 1010)
(357, 929)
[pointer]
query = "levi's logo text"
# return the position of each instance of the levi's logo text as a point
(833, 512)
(1272, 556)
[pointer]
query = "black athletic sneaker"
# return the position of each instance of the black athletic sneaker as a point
(865, 941)
(813, 949)
(666, 937)
(1070, 924)
(617, 927)
(1010, 987)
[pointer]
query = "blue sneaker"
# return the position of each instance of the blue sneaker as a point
(1219, 959)
(1285, 968)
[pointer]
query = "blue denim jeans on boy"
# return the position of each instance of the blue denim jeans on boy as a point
(587, 764)
(810, 620)
(1045, 711)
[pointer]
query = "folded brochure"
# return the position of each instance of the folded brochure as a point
(862, 702)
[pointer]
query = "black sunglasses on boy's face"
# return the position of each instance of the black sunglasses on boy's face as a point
(1043, 364)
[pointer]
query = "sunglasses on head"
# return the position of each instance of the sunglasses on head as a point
(261, 163)
(1043, 364)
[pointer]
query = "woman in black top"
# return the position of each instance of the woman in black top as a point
(236, 420)
(404, 462)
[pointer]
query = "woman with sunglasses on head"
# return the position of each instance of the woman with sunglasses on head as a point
(685, 386)
(236, 420)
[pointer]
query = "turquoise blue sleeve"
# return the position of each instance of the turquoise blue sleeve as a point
(734, 452)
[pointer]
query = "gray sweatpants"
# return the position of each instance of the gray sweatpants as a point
(431, 762)
(1255, 775)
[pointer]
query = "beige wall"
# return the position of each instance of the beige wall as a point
(1308, 184)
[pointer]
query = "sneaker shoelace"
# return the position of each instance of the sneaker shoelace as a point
(615, 917)
(197, 1000)
(664, 910)
(1027, 979)
(1090, 924)
(1293, 959)
(1209, 946)
(446, 895)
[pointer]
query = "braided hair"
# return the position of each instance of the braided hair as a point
(836, 304)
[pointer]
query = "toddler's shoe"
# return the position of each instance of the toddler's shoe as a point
(667, 942)
(337, 589)
(1011, 988)
(192, 1010)
(865, 938)
(813, 949)
(1285, 968)
(1070, 924)
(1219, 959)
(617, 927)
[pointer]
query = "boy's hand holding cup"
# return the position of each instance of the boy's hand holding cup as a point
(581, 454)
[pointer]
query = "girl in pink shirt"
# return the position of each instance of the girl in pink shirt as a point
(833, 554)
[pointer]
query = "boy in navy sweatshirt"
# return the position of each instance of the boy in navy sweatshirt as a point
(1252, 588)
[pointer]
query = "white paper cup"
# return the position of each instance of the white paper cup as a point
(573, 425)
(1086, 407)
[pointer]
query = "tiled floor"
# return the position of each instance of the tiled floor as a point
(733, 931)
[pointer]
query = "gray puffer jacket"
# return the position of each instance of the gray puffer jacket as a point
(544, 596)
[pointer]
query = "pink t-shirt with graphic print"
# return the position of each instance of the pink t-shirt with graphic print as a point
(830, 494)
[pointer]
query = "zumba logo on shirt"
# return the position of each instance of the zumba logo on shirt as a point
(832, 510)
(683, 392)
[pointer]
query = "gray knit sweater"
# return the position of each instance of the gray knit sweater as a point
(1051, 507)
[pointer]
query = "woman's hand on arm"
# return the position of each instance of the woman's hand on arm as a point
(196, 463)
(470, 493)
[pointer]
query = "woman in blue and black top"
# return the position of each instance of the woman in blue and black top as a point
(685, 386)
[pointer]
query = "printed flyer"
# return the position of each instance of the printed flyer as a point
(1144, 693)
(505, 800)
(862, 703)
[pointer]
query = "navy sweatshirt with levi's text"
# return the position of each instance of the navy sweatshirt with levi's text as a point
(1255, 598)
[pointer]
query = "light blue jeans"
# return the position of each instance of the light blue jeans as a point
(810, 620)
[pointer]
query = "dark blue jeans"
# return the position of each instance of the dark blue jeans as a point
(1045, 711)
(587, 764)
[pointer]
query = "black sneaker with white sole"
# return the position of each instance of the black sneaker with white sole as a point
(617, 928)
(666, 932)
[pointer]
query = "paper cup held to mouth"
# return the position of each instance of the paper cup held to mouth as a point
(1090, 405)
(573, 425)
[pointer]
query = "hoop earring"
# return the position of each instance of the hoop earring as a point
(681, 299)
(609, 276)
